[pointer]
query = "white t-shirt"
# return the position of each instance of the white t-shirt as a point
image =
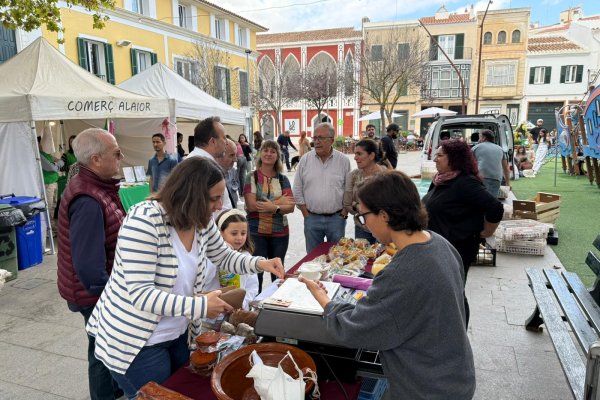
(170, 328)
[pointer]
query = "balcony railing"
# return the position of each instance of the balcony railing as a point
(459, 53)
(442, 82)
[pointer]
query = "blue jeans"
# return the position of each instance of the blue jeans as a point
(360, 233)
(285, 155)
(153, 363)
(269, 247)
(101, 384)
(492, 186)
(319, 227)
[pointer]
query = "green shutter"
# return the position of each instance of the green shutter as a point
(459, 49)
(82, 50)
(216, 80)
(433, 49)
(110, 66)
(153, 58)
(579, 75)
(228, 86)
(134, 64)
(531, 75)
(547, 75)
(563, 73)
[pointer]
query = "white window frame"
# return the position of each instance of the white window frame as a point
(539, 75)
(98, 59)
(506, 78)
(184, 67)
(242, 37)
(220, 29)
(448, 43)
(142, 7)
(571, 74)
(183, 12)
(143, 58)
(221, 84)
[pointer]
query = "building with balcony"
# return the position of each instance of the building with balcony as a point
(563, 61)
(503, 61)
(140, 33)
(285, 58)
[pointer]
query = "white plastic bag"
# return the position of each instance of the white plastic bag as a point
(273, 383)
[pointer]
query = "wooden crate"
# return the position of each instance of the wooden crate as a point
(544, 208)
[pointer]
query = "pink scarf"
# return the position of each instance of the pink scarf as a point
(440, 178)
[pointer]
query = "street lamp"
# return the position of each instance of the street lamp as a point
(248, 51)
(479, 58)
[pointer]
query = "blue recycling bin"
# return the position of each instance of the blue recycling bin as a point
(29, 235)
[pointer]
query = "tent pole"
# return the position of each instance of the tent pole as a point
(47, 212)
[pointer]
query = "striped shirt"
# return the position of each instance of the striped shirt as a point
(138, 292)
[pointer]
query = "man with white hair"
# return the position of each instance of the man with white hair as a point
(319, 187)
(226, 161)
(89, 219)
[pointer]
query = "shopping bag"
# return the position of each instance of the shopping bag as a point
(274, 383)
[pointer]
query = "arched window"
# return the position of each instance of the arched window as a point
(266, 78)
(487, 38)
(501, 37)
(291, 75)
(349, 75)
(516, 36)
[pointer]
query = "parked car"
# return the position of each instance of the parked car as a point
(463, 127)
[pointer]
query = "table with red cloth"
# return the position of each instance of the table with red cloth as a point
(196, 387)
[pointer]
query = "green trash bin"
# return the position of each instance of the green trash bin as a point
(9, 216)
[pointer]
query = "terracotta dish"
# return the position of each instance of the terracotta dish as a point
(229, 382)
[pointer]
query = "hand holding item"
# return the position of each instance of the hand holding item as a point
(273, 266)
(317, 289)
(216, 305)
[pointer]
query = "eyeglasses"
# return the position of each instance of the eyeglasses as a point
(322, 138)
(360, 218)
(119, 155)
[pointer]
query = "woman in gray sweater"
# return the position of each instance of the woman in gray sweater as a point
(414, 311)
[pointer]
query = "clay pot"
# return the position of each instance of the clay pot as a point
(207, 339)
(202, 363)
(229, 382)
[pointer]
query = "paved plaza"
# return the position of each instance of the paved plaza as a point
(43, 345)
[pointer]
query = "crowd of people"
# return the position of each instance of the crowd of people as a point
(144, 279)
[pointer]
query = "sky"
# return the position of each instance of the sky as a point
(300, 15)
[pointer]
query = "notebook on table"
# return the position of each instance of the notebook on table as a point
(293, 295)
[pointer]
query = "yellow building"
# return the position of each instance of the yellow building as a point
(503, 61)
(206, 44)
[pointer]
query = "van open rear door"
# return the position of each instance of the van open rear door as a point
(508, 143)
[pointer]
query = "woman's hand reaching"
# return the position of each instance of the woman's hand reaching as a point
(273, 266)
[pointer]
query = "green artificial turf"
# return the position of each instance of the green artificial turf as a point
(579, 221)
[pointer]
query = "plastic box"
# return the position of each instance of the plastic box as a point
(535, 247)
(372, 389)
(28, 236)
(8, 247)
(522, 229)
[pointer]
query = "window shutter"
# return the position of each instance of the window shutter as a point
(459, 49)
(153, 58)
(110, 66)
(531, 75)
(547, 75)
(217, 83)
(433, 49)
(228, 86)
(134, 64)
(82, 50)
(579, 75)
(563, 73)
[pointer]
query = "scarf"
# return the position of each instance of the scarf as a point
(440, 178)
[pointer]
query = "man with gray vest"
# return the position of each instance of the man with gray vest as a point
(492, 162)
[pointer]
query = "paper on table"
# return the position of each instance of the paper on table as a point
(299, 296)
(129, 174)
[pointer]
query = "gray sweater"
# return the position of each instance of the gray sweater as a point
(414, 314)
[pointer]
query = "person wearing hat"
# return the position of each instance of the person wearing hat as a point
(387, 144)
(534, 133)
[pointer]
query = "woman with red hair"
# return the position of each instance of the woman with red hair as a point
(460, 208)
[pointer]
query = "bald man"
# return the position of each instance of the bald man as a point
(226, 160)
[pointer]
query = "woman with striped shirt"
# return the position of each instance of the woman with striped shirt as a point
(156, 287)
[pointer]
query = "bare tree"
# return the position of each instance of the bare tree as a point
(320, 82)
(392, 64)
(210, 70)
(277, 88)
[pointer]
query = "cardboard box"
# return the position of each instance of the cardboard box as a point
(544, 208)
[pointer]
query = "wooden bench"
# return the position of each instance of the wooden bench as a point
(560, 297)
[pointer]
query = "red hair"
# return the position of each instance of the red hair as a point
(460, 157)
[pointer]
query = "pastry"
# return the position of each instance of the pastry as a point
(154, 391)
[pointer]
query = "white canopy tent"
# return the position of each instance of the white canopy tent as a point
(377, 115)
(41, 84)
(190, 102)
(433, 112)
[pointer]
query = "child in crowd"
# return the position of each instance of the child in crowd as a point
(234, 228)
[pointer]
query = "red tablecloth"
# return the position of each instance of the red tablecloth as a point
(196, 387)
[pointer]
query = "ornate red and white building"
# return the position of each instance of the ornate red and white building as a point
(296, 51)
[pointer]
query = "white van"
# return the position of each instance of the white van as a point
(463, 126)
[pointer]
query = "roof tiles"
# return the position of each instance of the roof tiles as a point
(543, 44)
(307, 36)
(452, 19)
